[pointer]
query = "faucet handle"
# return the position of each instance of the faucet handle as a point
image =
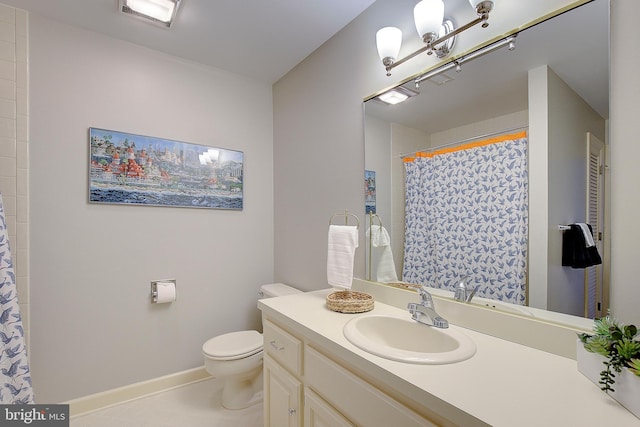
(440, 322)
(425, 296)
(465, 290)
(463, 282)
(472, 293)
(461, 289)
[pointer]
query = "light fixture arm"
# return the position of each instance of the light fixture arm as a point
(507, 41)
(429, 47)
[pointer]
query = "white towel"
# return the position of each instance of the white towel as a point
(379, 236)
(588, 237)
(386, 269)
(343, 241)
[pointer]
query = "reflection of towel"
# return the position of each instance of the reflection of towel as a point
(386, 270)
(343, 241)
(578, 247)
(586, 232)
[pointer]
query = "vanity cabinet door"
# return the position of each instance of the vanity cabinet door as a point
(282, 396)
(318, 413)
(358, 400)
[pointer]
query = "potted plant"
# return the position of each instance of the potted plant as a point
(617, 347)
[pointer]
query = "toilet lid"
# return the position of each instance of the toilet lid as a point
(233, 345)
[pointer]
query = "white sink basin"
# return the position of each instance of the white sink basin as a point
(405, 340)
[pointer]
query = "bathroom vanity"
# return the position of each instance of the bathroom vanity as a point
(315, 377)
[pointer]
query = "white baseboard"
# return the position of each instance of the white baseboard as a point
(105, 399)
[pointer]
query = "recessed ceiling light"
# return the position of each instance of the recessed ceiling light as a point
(161, 12)
(396, 95)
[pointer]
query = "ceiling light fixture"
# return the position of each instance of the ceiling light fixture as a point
(396, 95)
(162, 12)
(437, 33)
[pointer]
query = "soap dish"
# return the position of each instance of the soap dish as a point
(349, 302)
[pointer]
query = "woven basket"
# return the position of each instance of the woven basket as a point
(349, 302)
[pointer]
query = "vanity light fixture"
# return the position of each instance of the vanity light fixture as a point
(437, 33)
(396, 95)
(162, 12)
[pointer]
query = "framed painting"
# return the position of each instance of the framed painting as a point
(370, 191)
(131, 169)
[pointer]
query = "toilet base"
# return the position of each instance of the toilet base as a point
(240, 394)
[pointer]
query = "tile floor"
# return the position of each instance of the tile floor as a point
(193, 405)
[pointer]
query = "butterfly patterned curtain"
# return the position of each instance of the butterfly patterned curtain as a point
(466, 214)
(15, 378)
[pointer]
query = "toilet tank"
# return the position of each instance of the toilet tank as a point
(276, 290)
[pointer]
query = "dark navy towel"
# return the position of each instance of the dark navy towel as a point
(575, 253)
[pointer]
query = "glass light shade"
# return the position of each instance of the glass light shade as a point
(428, 15)
(388, 40)
(162, 10)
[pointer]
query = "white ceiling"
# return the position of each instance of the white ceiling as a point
(262, 39)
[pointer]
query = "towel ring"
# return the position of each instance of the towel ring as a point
(373, 216)
(346, 218)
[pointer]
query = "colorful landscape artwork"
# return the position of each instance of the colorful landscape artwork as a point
(134, 169)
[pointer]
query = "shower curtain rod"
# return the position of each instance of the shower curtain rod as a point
(462, 141)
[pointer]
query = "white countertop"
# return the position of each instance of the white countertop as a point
(503, 384)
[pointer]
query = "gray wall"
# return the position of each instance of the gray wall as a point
(625, 152)
(92, 325)
(570, 118)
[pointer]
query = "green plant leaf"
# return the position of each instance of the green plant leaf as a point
(603, 325)
(628, 349)
(630, 331)
(598, 344)
(634, 366)
(616, 343)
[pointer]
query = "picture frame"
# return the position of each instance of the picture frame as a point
(370, 191)
(131, 169)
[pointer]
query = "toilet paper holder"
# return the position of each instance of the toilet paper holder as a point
(154, 288)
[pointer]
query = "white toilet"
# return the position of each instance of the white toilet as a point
(236, 358)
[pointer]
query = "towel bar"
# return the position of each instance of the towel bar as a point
(346, 218)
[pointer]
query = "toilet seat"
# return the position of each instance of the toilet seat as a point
(234, 345)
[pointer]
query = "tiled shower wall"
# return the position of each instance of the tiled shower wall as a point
(14, 144)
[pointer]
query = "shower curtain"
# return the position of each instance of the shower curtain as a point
(466, 214)
(15, 378)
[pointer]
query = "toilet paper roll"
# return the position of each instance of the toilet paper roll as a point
(166, 292)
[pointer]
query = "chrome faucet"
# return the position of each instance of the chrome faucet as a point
(465, 291)
(425, 312)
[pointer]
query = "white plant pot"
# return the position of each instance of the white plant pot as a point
(627, 385)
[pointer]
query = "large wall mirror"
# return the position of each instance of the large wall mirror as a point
(551, 92)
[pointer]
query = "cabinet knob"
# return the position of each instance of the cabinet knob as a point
(292, 412)
(275, 345)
